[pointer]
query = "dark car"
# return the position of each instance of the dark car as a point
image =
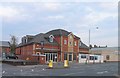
(11, 56)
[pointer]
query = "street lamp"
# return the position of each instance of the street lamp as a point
(89, 43)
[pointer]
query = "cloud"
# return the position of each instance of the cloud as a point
(56, 17)
(109, 5)
(47, 6)
(8, 12)
(11, 13)
(94, 17)
(59, 1)
(51, 6)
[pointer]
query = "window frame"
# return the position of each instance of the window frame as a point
(65, 41)
(75, 43)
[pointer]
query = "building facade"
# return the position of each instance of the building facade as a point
(110, 54)
(4, 48)
(57, 45)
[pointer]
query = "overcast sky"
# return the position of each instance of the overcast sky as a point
(31, 18)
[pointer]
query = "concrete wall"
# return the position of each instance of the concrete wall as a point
(109, 54)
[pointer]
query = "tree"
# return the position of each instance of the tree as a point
(106, 45)
(13, 44)
(95, 46)
(90, 46)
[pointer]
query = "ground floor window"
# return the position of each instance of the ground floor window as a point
(74, 56)
(83, 56)
(107, 57)
(93, 58)
(70, 56)
(51, 56)
(65, 56)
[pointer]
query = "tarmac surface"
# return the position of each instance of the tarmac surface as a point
(75, 69)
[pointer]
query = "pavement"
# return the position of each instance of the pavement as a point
(75, 69)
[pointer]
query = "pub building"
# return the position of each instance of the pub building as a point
(56, 45)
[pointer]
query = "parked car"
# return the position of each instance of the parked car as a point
(11, 56)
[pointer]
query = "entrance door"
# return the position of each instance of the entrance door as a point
(51, 56)
(70, 57)
(54, 57)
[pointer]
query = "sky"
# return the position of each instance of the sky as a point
(28, 17)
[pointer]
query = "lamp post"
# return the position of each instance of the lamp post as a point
(89, 44)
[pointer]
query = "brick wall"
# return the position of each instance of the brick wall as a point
(83, 50)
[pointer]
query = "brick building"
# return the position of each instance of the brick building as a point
(57, 45)
(4, 47)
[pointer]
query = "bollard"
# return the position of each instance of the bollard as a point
(65, 63)
(50, 64)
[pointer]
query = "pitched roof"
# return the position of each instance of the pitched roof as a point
(38, 38)
(41, 37)
(45, 37)
(58, 32)
(82, 45)
(4, 43)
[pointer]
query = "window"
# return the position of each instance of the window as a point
(74, 56)
(95, 57)
(70, 36)
(107, 57)
(70, 43)
(51, 37)
(37, 53)
(83, 56)
(65, 56)
(80, 43)
(65, 41)
(91, 57)
(75, 43)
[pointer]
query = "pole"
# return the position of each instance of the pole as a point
(61, 44)
(89, 46)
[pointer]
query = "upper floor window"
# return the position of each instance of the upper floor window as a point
(70, 36)
(75, 43)
(51, 37)
(65, 41)
(70, 43)
(80, 43)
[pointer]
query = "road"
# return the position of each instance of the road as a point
(76, 69)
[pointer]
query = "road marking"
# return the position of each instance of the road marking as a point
(43, 69)
(72, 73)
(106, 71)
(3, 72)
(21, 70)
(100, 72)
(32, 70)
